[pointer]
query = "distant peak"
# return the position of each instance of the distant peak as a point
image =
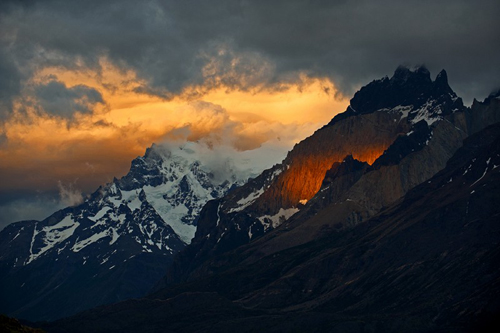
(152, 152)
(441, 86)
(348, 159)
(442, 76)
(441, 79)
(407, 87)
(403, 74)
(494, 95)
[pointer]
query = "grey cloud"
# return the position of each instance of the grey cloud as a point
(174, 44)
(69, 195)
(10, 82)
(57, 99)
(20, 205)
(27, 206)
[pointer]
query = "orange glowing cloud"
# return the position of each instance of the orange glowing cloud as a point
(91, 148)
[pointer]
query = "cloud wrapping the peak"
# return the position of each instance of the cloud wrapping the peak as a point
(223, 160)
(69, 196)
(201, 120)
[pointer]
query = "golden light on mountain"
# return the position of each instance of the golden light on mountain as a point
(312, 158)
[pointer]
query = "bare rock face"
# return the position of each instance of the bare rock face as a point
(379, 114)
(383, 186)
(364, 137)
(484, 113)
(341, 204)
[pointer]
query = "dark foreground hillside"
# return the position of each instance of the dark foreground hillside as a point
(428, 263)
(11, 325)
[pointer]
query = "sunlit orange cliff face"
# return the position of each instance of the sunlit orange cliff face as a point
(311, 158)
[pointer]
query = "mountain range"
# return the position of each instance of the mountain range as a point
(119, 242)
(383, 220)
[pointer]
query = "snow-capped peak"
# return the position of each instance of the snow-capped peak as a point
(155, 206)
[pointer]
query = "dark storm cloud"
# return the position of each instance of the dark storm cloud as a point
(9, 82)
(244, 44)
(57, 99)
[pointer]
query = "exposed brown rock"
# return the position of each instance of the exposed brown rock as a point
(365, 137)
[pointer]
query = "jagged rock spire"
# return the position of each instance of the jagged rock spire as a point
(407, 87)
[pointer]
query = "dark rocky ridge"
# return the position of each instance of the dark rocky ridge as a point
(484, 112)
(403, 145)
(11, 325)
(404, 88)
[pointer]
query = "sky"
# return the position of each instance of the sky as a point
(86, 86)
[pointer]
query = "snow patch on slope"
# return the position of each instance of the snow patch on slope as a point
(247, 201)
(428, 112)
(273, 221)
(52, 236)
(100, 214)
(86, 242)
